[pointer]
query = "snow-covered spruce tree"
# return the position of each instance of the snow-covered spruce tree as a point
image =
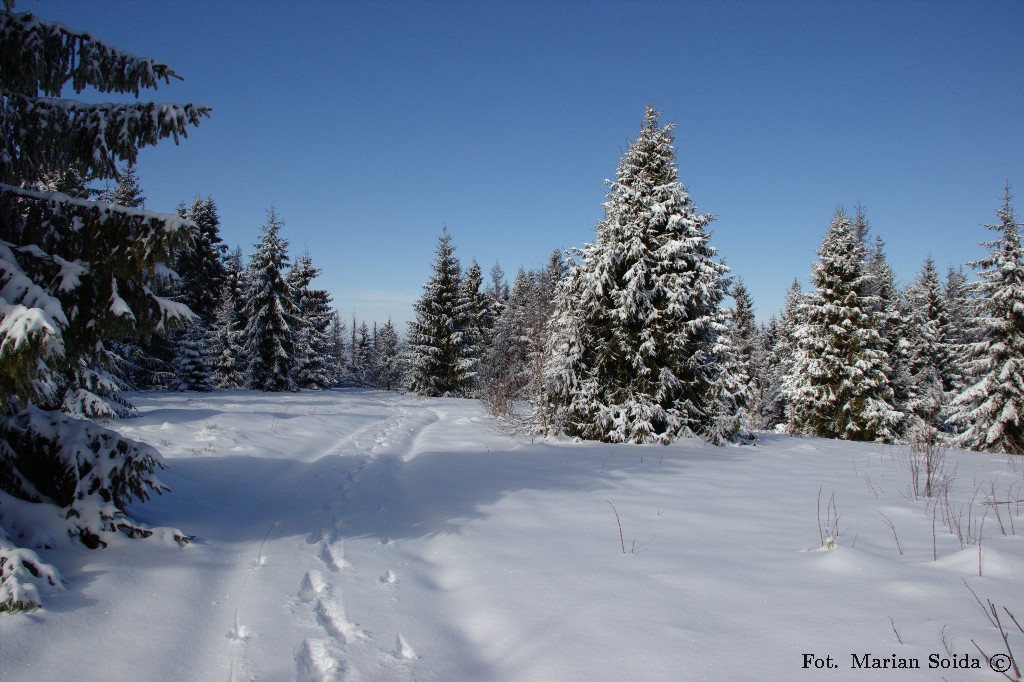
(312, 343)
(473, 304)
(505, 368)
(202, 267)
(886, 306)
(734, 389)
(513, 368)
(779, 363)
(646, 294)
(225, 336)
(127, 191)
(961, 308)
(990, 410)
(388, 361)
(837, 386)
(496, 294)
(271, 315)
(928, 341)
(192, 359)
(74, 275)
(337, 353)
(439, 363)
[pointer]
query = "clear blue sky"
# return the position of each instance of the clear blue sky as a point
(369, 125)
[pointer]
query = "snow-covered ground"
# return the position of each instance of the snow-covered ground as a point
(357, 535)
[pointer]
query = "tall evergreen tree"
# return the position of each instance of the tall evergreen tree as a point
(74, 276)
(202, 266)
(192, 359)
(312, 342)
(496, 294)
(780, 361)
(735, 386)
(388, 363)
(439, 363)
(961, 309)
(271, 314)
(928, 340)
(646, 298)
(838, 385)
(127, 191)
(473, 312)
(990, 409)
(225, 336)
(337, 352)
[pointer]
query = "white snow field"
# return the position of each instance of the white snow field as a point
(360, 535)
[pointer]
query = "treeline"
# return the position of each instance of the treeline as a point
(257, 324)
(628, 339)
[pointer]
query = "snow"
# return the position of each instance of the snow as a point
(362, 535)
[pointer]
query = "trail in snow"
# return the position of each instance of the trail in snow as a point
(365, 536)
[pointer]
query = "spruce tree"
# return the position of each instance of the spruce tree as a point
(337, 353)
(439, 363)
(505, 370)
(989, 410)
(961, 309)
(128, 190)
(225, 337)
(201, 267)
(388, 364)
(779, 363)
(74, 277)
(473, 312)
(735, 386)
(192, 359)
(312, 343)
(928, 339)
(646, 297)
(271, 314)
(838, 385)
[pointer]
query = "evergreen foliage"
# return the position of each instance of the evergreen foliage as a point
(637, 319)
(988, 411)
(271, 315)
(838, 384)
(192, 359)
(337, 352)
(388, 361)
(312, 342)
(780, 358)
(75, 275)
(440, 364)
(201, 266)
(127, 192)
(929, 358)
(735, 387)
(225, 337)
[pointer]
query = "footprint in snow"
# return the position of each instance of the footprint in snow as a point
(311, 587)
(313, 663)
(333, 555)
(403, 651)
(331, 616)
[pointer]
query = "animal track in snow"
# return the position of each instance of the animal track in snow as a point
(389, 578)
